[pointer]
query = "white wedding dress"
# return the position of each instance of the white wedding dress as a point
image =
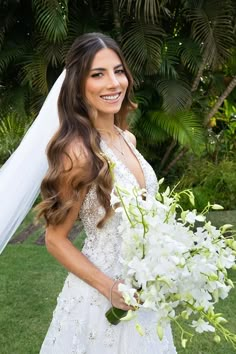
(79, 325)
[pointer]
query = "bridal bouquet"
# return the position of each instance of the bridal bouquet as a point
(175, 262)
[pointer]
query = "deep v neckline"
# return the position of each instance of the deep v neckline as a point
(126, 168)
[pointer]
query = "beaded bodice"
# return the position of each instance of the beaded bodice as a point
(79, 325)
(102, 246)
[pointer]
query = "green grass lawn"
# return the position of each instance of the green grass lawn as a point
(30, 280)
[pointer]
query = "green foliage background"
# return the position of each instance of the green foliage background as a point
(183, 59)
(181, 53)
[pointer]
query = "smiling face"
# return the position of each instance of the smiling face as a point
(106, 84)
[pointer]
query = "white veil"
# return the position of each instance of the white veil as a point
(21, 175)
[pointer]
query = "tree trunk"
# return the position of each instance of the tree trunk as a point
(214, 109)
(220, 100)
(199, 73)
(167, 154)
(177, 158)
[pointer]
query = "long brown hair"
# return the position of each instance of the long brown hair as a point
(76, 122)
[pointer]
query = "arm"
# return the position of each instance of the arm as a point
(71, 258)
(60, 247)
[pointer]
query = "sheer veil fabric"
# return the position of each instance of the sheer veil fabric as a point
(21, 175)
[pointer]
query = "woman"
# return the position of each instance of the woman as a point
(93, 104)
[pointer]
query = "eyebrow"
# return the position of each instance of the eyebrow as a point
(103, 69)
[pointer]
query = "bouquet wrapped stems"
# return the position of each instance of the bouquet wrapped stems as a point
(114, 315)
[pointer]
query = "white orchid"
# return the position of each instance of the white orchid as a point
(202, 326)
(128, 294)
(169, 263)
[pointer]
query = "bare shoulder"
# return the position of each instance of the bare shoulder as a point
(131, 137)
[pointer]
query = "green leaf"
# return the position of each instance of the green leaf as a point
(52, 52)
(142, 47)
(147, 9)
(189, 52)
(34, 73)
(184, 127)
(176, 94)
(169, 58)
(52, 18)
(12, 129)
(9, 54)
(212, 28)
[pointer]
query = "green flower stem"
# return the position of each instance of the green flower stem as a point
(123, 204)
(212, 318)
(182, 330)
(228, 335)
(145, 227)
(114, 315)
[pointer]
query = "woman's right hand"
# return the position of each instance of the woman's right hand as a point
(116, 297)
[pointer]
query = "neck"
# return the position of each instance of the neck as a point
(106, 127)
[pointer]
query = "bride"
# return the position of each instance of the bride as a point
(93, 104)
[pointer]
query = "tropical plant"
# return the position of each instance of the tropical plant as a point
(12, 130)
(35, 38)
(176, 51)
(211, 183)
(221, 139)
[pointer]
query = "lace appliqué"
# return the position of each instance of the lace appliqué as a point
(79, 325)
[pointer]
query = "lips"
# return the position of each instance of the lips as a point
(110, 98)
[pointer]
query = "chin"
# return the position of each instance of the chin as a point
(112, 111)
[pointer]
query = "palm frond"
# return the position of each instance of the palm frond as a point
(176, 94)
(52, 52)
(184, 127)
(138, 77)
(79, 22)
(9, 54)
(8, 21)
(36, 101)
(169, 59)
(144, 125)
(190, 54)
(34, 73)
(52, 18)
(147, 9)
(11, 125)
(143, 98)
(12, 129)
(212, 28)
(231, 63)
(142, 47)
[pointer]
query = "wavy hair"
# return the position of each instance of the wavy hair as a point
(76, 119)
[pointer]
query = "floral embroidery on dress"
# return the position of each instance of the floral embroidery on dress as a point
(79, 325)
(109, 336)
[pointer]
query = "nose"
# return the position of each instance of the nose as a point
(112, 81)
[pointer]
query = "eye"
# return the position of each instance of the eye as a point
(97, 75)
(120, 71)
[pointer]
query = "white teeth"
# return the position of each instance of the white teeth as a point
(114, 97)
